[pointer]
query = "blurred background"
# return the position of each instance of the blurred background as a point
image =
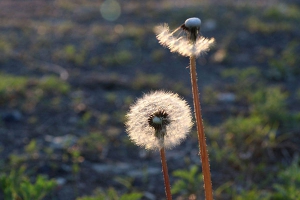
(69, 70)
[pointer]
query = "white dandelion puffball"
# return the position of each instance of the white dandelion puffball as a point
(181, 44)
(158, 107)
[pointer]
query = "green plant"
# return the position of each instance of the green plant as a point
(241, 139)
(289, 183)
(134, 31)
(243, 81)
(269, 104)
(253, 194)
(238, 193)
(16, 160)
(103, 118)
(189, 182)
(85, 118)
(243, 132)
(11, 83)
(5, 48)
(53, 84)
(256, 25)
(157, 55)
(143, 80)
(69, 52)
(76, 160)
(25, 91)
(282, 13)
(92, 144)
(111, 97)
(123, 57)
(120, 57)
(112, 194)
(17, 186)
(242, 76)
(31, 147)
(73, 55)
(286, 66)
(209, 95)
(12, 88)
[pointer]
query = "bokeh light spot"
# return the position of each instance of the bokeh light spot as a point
(110, 10)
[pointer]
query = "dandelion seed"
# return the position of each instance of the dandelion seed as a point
(158, 119)
(191, 45)
(192, 27)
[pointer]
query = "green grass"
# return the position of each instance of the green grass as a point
(286, 66)
(282, 12)
(240, 140)
(72, 55)
(255, 25)
(270, 104)
(26, 93)
(118, 58)
(6, 48)
(274, 19)
(112, 194)
(243, 82)
(94, 142)
(11, 83)
(16, 185)
(143, 80)
(54, 85)
(12, 88)
(288, 183)
(188, 182)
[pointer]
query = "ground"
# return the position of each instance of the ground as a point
(70, 70)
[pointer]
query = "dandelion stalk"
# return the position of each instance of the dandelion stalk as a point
(200, 131)
(165, 174)
(191, 46)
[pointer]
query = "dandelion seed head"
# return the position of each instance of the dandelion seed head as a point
(192, 28)
(157, 120)
(193, 22)
(181, 44)
(154, 111)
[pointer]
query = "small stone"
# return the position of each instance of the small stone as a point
(149, 196)
(60, 181)
(227, 97)
(151, 171)
(116, 168)
(61, 142)
(13, 116)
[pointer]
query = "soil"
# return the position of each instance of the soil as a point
(107, 65)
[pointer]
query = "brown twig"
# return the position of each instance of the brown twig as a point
(165, 173)
(200, 130)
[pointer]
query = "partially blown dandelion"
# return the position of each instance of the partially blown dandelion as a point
(158, 119)
(191, 45)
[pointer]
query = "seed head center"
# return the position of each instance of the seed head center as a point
(159, 120)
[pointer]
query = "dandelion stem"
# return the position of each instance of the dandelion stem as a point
(165, 173)
(200, 131)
